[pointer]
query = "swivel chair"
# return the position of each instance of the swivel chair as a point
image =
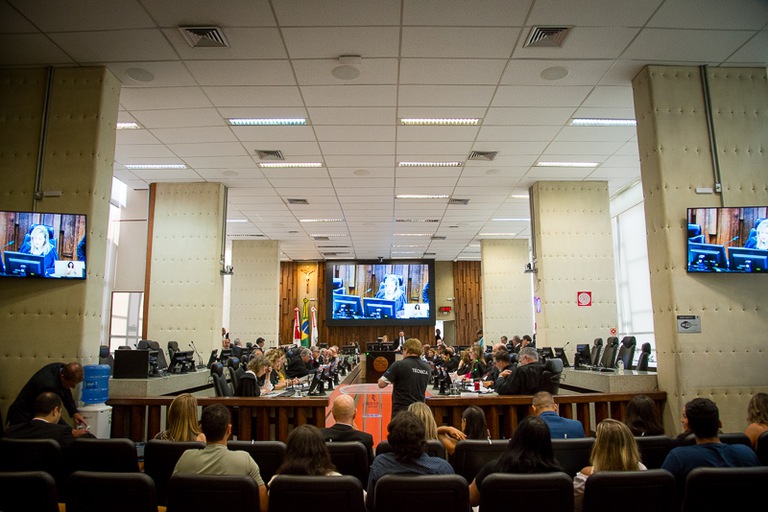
(551, 376)
(28, 490)
(220, 384)
(123, 492)
(162, 364)
(573, 454)
(268, 455)
(350, 458)
(627, 351)
(173, 347)
(193, 493)
(142, 345)
(105, 455)
(609, 355)
(644, 358)
(597, 350)
(233, 365)
(470, 455)
(106, 358)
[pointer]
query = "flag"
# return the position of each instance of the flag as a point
(314, 326)
(305, 323)
(296, 327)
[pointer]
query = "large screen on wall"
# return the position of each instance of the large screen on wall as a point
(728, 240)
(394, 292)
(42, 245)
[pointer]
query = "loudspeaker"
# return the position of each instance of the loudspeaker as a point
(131, 364)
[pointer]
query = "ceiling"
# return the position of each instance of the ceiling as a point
(419, 58)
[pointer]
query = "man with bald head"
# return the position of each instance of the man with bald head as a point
(344, 429)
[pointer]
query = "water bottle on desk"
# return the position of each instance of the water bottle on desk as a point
(620, 365)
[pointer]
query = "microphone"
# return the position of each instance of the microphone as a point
(192, 344)
(731, 240)
(8, 244)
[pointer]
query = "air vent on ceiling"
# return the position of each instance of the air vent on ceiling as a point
(458, 201)
(246, 236)
(487, 156)
(430, 254)
(204, 37)
(418, 220)
(438, 237)
(321, 238)
(547, 37)
(297, 201)
(333, 247)
(270, 154)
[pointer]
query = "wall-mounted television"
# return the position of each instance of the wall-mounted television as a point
(727, 240)
(42, 245)
(387, 292)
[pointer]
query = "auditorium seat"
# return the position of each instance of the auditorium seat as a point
(630, 491)
(446, 493)
(350, 458)
(33, 491)
(207, 493)
(434, 448)
(220, 384)
(724, 489)
(289, 493)
(471, 455)
(727, 438)
(573, 454)
(97, 491)
(233, 364)
(111, 455)
(32, 455)
(267, 454)
(160, 459)
(762, 448)
(654, 449)
(552, 492)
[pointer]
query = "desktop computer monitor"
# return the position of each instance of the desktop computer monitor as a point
(378, 308)
(741, 259)
(706, 258)
(582, 357)
(560, 354)
(23, 264)
(347, 306)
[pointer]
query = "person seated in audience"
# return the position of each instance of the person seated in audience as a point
(406, 435)
(275, 359)
(216, 458)
(431, 431)
(182, 424)
(306, 454)
(529, 451)
(501, 362)
(615, 449)
(525, 378)
(544, 407)
(256, 381)
(757, 416)
(344, 429)
(703, 418)
(299, 365)
(642, 417)
(45, 423)
(473, 426)
(516, 344)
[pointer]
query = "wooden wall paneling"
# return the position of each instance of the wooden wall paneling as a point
(468, 302)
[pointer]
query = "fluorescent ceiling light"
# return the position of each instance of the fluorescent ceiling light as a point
(320, 220)
(414, 234)
(327, 234)
(429, 164)
(497, 234)
(237, 221)
(439, 122)
(407, 252)
(155, 166)
(422, 196)
(567, 164)
(288, 165)
(518, 196)
(409, 246)
(603, 122)
(128, 126)
(511, 219)
(268, 122)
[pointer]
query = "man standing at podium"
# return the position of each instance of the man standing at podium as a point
(400, 341)
(409, 377)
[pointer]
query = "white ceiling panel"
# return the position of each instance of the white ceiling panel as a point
(244, 43)
(465, 12)
(352, 116)
(445, 96)
(459, 42)
(30, 49)
(193, 135)
(593, 13)
(172, 118)
(273, 133)
(350, 95)
(517, 133)
(530, 96)
(337, 12)
(372, 71)
(211, 149)
(69, 15)
(583, 72)
(232, 13)
(451, 71)
(686, 45)
(161, 98)
(265, 96)
(354, 133)
(160, 74)
(125, 45)
(242, 72)
(325, 42)
(357, 148)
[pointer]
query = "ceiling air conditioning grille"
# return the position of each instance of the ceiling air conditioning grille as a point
(270, 154)
(438, 237)
(246, 236)
(458, 201)
(297, 201)
(487, 156)
(547, 37)
(204, 37)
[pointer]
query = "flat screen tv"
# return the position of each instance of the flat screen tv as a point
(727, 240)
(42, 245)
(386, 292)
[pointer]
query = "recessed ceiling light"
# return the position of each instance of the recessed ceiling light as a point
(511, 219)
(327, 234)
(422, 196)
(237, 221)
(567, 164)
(554, 73)
(439, 122)
(128, 126)
(409, 246)
(320, 220)
(155, 166)
(429, 164)
(413, 234)
(139, 74)
(497, 234)
(288, 165)
(602, 122)
(267, 122)
(518, 196)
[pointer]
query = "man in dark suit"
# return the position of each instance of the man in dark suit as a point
(344, 429)
(59, 378)
(299, 365)
(45, 424)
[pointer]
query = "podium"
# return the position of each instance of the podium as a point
(371, 396)
(376, 363)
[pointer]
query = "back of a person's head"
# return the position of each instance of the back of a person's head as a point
(703, 417)
(615, 448)
(406, 435)
(73, 372)
(412, 346)
(182, 418)
(530, 353)
(46, 402)
(214, 422)
(757, 410)
(306, 453)
(502, 356)
(543, 400)
(424, 413)
(530, 449)
(256, 363)
(475, 426)
(343, 408)
(642, 416)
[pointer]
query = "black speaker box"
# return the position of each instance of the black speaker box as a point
(131, 364)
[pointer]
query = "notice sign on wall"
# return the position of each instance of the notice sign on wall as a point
(688, 323)
(584, 298)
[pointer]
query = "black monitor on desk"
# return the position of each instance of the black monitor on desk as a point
(23, 264)
(379, 308)
(582, 357)
(560, 354)
(182, 362)
(741, 259)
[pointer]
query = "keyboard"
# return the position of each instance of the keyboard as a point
(287, 392)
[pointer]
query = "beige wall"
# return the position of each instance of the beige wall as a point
(727, 361)
(255, 290)
(48, 321)
(574, 248)
(507, 306)
(130, 263)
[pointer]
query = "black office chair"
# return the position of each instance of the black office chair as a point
(106, 358)
(608, 360)
(289, 493)
(597, 351)
(762, 448)
(220, 384)
(160, 458)
(142, 345)
(654, 449)
(204, 493)
(724, 489)
(471, 455)
(350, 458)
(108, 455)
(268, 455)
(434, 448)
(446, 493)
(33, 455)
(551, 376)
(96, 491)
(162, 363)
(630, 491)
(27, 491)
(173, 347)
(627, 351)
(552, 492)
(644, 358)
(573, 454)
(124, 347)
(233, 364)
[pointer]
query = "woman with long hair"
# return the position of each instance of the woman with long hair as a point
(465, 363)
(306, 454)
(642, 417)
(615, 449)
(275, 358)
(473, 426)
(256, 380)
(477, 361)
(757, 416)
(182, 423)
(424, 413)
(529, 451)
